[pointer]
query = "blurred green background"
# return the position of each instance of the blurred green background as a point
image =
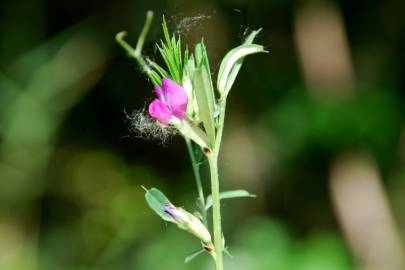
(316, 129)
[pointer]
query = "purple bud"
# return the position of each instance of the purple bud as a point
(188, 222)
(176, 213)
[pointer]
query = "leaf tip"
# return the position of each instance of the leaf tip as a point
(144, 188)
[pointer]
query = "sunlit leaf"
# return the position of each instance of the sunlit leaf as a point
(170, 49)
(235, 70)
(232, 63)
(202, 62)
(158, 68)
(239, 193)
(201, 58)
(202, 88)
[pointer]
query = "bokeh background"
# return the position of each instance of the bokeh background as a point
(315, 128)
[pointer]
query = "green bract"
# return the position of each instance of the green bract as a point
(156, 201)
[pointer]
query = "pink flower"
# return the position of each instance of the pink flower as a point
(171, 102)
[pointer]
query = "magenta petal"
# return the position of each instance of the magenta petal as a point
(159, 93)
(175, 96)
(160, 111)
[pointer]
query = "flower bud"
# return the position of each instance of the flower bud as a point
(188, 222)
(178, 214)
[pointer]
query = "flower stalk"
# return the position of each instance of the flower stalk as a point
(196, 170)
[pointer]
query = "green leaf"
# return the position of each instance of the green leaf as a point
(166, 31)
(157, 200)
(203, 63)
(158, 68)
(193, 255)
(228, 195)
(170, 49)
(226, 251)
(205, 104)
(168, 57)
(235, 70)
(252, 36)
(232, 63)
(204, 91)
(154, 77)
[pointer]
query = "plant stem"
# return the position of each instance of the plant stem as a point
(197, 176)
(137, 52)
(216, 209)
(145, 30)
(216, 203)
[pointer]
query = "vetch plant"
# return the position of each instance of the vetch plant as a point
(186, 100)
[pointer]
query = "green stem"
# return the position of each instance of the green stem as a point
(197, 176)
(145, 30)
(216, 209)
(216, 204)
(137, 52)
